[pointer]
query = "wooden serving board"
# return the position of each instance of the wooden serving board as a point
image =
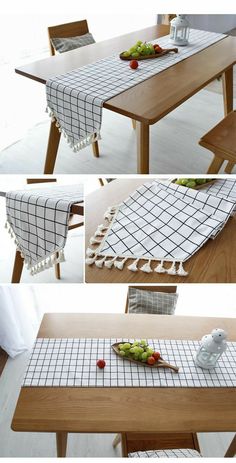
(199, 187)
(156, 55)
(159, 364)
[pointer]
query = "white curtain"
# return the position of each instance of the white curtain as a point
(19, 319)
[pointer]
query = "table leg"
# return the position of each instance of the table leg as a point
(61, 443)
(227, 82)
(53, 143)
(231, 452)
(229, 167)
(142, 148)
(18, 267)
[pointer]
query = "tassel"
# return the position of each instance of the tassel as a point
(94, 241)
(120, 263)
(62, 256)
(6, 225)
(102, 227)
(181, 270)
(90, 252)
(90, 260)
(133, 267)
(172, 269)
(160, 268)
(108, 216)
(99, 263)
(109, 263)
(147, 267)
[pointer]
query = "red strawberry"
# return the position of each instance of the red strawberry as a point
(156, 355)
(101, 363)
(151, 360)
(133, 64)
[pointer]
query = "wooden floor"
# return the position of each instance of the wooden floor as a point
(174, 144)
(3, 360)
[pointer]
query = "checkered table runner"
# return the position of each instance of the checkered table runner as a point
(160, 221)
(72, 363)
(37, 219)
(75, 99)
(222, 188)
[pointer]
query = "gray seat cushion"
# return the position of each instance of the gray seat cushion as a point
(176, 453)
(71, 43)
(152, 302)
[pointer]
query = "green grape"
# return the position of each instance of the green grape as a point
(200, 181)
(126, 54)
(143, 342)
(135, 54)
(136, 356)
(139, 42)
(179, 181)
(184, 181)
(122, 352)
(126, 345)
(144, 356)
(191, 184)
(132, 350)
(135, 343)
(149, 351)
(121, 346)
(127, 354)
(140, 350)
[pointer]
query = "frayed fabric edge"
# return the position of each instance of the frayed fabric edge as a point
(45, 263)
(76, 147)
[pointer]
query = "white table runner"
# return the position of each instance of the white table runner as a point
(37, 219)
(75, 99)
(72, 363)
(160, 221)
(222, 188)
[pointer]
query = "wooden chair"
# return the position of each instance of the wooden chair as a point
(231, 452)
(74, 222)
(221, 140)
(134, 442)
(104, 181)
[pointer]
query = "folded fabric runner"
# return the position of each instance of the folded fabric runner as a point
(224, 188)
(75, 99)
(37, 219)
(161, 222)
(68, 362)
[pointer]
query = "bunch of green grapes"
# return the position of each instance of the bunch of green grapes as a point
(140, 49)
(191, 182)
(139, 350)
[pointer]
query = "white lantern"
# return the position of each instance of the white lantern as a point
(179, 30)
(212, 347)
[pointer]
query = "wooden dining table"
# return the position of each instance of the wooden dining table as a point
(63, 410)
(213, 263)
(151, 100)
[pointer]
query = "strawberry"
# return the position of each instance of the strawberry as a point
(133, 64)
(156, 355)
(151, 360)
(101, 363)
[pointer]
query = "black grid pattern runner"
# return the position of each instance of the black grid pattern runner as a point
(76, 98)
(71, 362)
(161, 220)
(38, 219)
(224, 188)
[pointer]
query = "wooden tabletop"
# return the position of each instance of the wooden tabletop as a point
(213, 263)
(152, 99)
(108, 410)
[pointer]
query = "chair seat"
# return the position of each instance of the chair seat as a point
(222, 138)
(175, 453)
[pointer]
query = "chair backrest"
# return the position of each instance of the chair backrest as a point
(30, 181)
(67, 30)
(159, 289)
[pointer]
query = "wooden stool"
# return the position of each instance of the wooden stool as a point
(221, 140)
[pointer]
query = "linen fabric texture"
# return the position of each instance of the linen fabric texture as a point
(175, 453)
(160, 221)
(75, 99)
(151, 302)
(38, 221)
(63, 44)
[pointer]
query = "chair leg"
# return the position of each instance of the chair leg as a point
(117, 440)
(95, 149)
(57, 269)
(215, 165)
(231, 452)
(124, 446)
(134, 124)
(229, 167)
(53, 143)
(18, 267)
